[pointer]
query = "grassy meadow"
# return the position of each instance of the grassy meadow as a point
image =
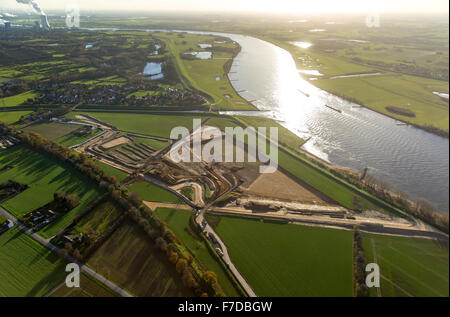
(289, 260)
(11, 117)
(53, 130)
(150, 192)
(156, 125)
(409, 267)
(44, 175)
(206, 75)
(26, 267)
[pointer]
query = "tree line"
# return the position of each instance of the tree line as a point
(201, 282)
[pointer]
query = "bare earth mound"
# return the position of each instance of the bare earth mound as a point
(279, 185)
(115, 142)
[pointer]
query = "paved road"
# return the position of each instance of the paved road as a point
(226, 257)
(83, 267)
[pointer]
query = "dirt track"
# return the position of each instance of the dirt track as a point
(370, 225)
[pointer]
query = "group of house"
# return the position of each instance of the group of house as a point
(114, 95)
(39, 219)
(6, 225)
(7, 142)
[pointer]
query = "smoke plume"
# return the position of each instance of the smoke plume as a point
(34, 5)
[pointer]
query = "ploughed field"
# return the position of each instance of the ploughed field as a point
(88, 288)
(130, 260)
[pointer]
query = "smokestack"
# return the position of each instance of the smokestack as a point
(44, 22)
(35, 6)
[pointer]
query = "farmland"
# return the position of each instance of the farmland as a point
(97, 220)
(408, 71)
(88, 288)
(12, 116)
(154, 144)
(108, 169)
(178, 221)
(71, 139)
(130, 260)
(408, 92)
(17, 100)
(275, 257)
(106, 81)
(409, 267)
(151, 192)
(44, 175)
(52, 130)
(26, 267)
(156, 125)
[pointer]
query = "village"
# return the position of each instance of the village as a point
(104, 94)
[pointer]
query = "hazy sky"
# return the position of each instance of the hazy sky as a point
(291, 6)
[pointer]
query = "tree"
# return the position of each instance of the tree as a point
(210, 278)
(161, 244)
(181, 265)
(173, 257)
(77, 255)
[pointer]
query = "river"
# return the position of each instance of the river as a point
(409, 158)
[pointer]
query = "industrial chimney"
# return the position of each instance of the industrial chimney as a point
(44, 22)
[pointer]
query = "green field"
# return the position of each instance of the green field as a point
(17, 100)
(26, 267)
(324, 183)
(151, 192)
(112, 171)
(178, 221)
(88, 288)
(12, 116)
(129, 259)
(392, 88)
(408, 266)
(44, 175)
(289, 260)
(284, 135)
(71, 139)
(99, 219)
(407, 92)
(52, 130)
(203, 74)
(156, 125)
(154, 144)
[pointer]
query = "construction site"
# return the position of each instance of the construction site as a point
(230, 188)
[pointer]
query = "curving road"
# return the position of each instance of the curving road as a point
(226, 257)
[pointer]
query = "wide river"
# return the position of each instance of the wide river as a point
(410, 159)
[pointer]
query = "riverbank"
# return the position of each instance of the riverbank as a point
(291, 49)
